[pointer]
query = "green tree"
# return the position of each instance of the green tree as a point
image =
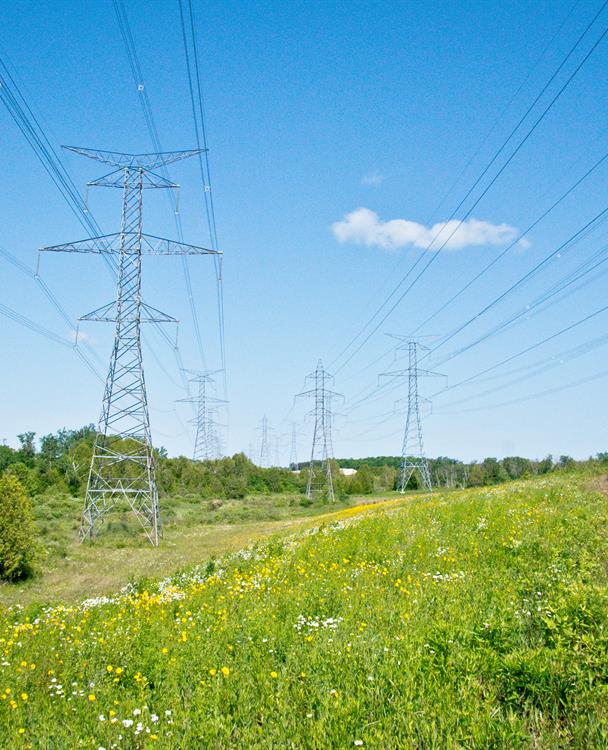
(27, 450)
(564, 462)
(17, 539)
(7, 457)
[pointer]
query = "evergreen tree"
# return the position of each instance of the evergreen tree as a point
(16, 530)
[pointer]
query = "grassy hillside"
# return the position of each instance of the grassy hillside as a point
(476, 619)
(194, 530)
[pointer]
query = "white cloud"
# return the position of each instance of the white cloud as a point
(373, 178)
(363, 227)
(80, 337)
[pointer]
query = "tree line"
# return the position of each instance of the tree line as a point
(60, 462)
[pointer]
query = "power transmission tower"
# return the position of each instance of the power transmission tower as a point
(265, 442)
(277, 450)
(412, 451)
(320, 481)
(123, 467)
(206, 441)
(293, 449)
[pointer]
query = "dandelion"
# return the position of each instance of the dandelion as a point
(24, 696)
(225, 671)
(92, 697)
(213, 671)
(274, 675)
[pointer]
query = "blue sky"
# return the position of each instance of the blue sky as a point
(314, 111)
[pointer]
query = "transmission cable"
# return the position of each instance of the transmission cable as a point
(34, 134)
(200, 130)
(138, 79)
(573, 239)
(484, 191)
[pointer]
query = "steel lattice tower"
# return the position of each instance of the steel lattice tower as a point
(293, 449)
(122, 466)
(412, 451)
(277, 450)
(320, 480)
(265, 442)
(206, 441)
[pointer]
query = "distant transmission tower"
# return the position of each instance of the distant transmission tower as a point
(265, 442)
(320, 482)
(277, 450)
(293, 448)
(206, 441)
(122, 467)
(412, 451)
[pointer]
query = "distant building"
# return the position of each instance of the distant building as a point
(348, 472)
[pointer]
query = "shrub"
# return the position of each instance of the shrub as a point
(16, 530)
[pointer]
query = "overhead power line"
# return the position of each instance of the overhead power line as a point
(526, 350)
(533, 396)
(485, 190)
(144, 100)
(541, 265)
(35, 135)
(200, 131)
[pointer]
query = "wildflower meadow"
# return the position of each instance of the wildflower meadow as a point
(472, 619)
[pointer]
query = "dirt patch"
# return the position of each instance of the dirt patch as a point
(600, 484)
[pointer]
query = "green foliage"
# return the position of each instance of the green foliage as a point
(16, 530)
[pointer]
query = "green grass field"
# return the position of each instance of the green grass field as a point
(475, 619)
(194, 530)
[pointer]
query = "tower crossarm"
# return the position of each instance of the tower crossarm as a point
(109, 314)
(135, 161)
(130, 243)
(149, 180)
(314, 391)
(414, 371)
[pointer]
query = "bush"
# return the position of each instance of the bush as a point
(16, 530)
